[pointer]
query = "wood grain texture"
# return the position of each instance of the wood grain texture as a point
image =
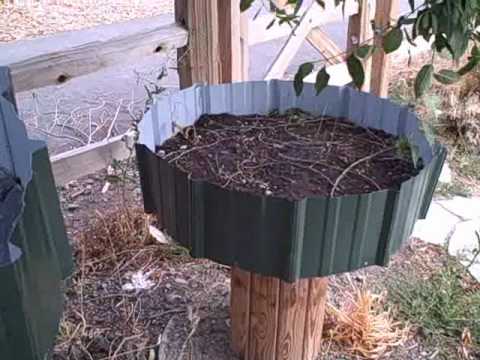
(217, 50)
(276, 320)
(325, 46)
(199, 61)
(58, 58)
(240, 310)
(233, 45)
(385, 11)
(316, 302)
(291, 319)
(264, 308)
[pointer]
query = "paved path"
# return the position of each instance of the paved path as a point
(454, 223)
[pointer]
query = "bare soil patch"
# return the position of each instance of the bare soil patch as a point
(293, 155)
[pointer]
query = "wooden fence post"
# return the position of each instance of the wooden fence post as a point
(359, 32)
(273, 320)
(386, 10)
(215, 52)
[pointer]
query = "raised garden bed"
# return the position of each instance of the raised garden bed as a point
(292, 234)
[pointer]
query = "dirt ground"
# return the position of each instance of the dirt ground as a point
(183, 312)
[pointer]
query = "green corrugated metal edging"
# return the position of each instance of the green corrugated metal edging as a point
(314, 237)
(31, 297)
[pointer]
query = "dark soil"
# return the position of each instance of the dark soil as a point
(292, 156)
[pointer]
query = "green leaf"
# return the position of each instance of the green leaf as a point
(364, 51)
(321, 3)
(469, 66)
(423, 82)
(472, 63)
(322, 80)
(392, 40)
(245, 4)
(355, 69)
(447, 77)
(303, 71)
(458, 42)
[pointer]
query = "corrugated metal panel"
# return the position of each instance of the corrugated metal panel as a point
(288, 239)
(31, 295)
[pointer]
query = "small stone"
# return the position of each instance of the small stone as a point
(181, 281)
(446, 174)
(268, 192)
(161, 153)
(184, 147)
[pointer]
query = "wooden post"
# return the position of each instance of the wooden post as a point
(385, 11)
(359, 32)
(325, 46)
(216, 51)
(273, 320)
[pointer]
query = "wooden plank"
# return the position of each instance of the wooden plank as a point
(263, 318)
(291, 319)
(288, 51)
(275, 320)
(240, 310)
(199, 60)
(258, 27)
(233, 52)
(58, 58)
(325, 46)
(215, 52)
(316, 302)
(86, 160)
(385, 11)
(352, 32)
(359, 33)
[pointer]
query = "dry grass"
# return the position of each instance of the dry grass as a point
(363, 327)
(450, 114)
(29, 18)
(102, 320)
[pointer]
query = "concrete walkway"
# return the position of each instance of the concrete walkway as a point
(455, 223)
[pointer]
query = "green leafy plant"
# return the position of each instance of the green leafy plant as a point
(450, 25)
(440, 306)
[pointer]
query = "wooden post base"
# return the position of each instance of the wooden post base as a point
(273, 320)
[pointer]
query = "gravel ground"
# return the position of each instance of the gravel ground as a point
(29, 19)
